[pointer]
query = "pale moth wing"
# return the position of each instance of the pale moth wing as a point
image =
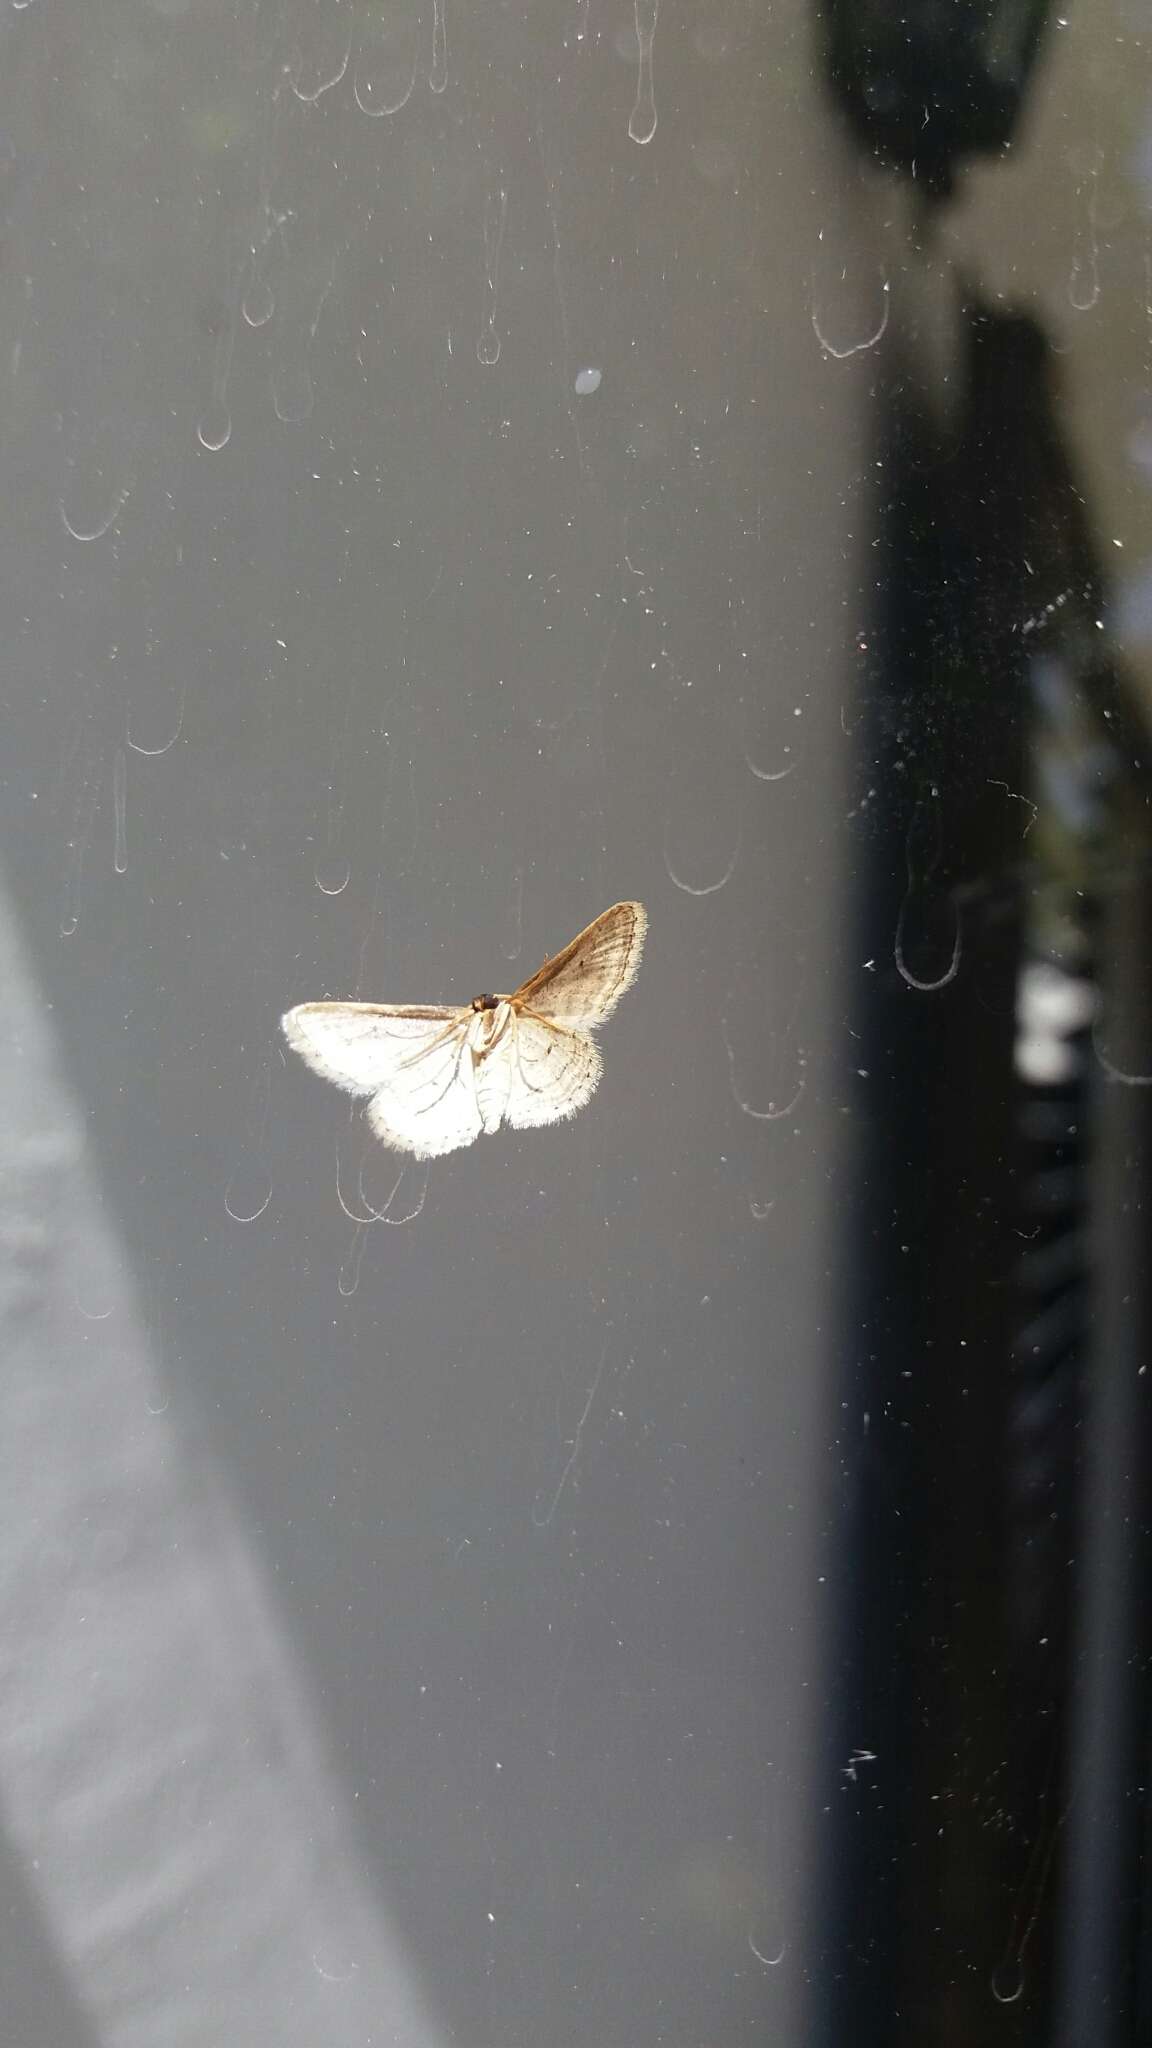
(358, 1045)
(432, 1105)
(439, 1076)
(556, 1072)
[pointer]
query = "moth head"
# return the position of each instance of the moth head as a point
(484, 1002)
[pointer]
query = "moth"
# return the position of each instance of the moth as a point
(436, 1076)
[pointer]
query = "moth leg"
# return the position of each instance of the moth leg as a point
(549, 1023)
(500, 1032)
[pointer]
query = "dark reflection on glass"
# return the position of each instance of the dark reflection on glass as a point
(998, 1316)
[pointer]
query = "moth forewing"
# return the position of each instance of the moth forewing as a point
(583, 983)
(357, 1045)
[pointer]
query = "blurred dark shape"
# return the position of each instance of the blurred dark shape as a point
(932, 82)
(985, 1877)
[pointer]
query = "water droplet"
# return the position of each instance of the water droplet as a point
(385, 69)
(335, 1969)
(214, 430)
(332, 873)
(1008, 1982)
(258, 303)
(292, 394)
(248, 1193)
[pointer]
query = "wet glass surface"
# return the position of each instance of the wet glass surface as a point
(674, 1575)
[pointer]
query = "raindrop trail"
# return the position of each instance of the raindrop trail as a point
(642, 124)
(398, 1222)
(1114, 1072)
(1084, 280)
(292, 391)
(214, 427)
(1009, 1976)
(331, 870)
(153, 753)
(98, 532)
(248, 1214)
(334, 1976)
(785, 750)
(310, 97)
(259, 301)
(92, 1315)
(852, 348)
(385, 87)
(495, 221)
(703, 888)
(922, 852)
(249, 1188)
(257, 298)
(368, 1213)
(349, 1279)
(561, 301)
(772, 1113)
(542, 1521)
(120, 806)
(767, 774)
(913, 980)
(438, 71)
(83, 820)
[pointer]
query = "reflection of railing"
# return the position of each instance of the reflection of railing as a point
(995, 1242)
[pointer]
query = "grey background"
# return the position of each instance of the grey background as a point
(427, 1614)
